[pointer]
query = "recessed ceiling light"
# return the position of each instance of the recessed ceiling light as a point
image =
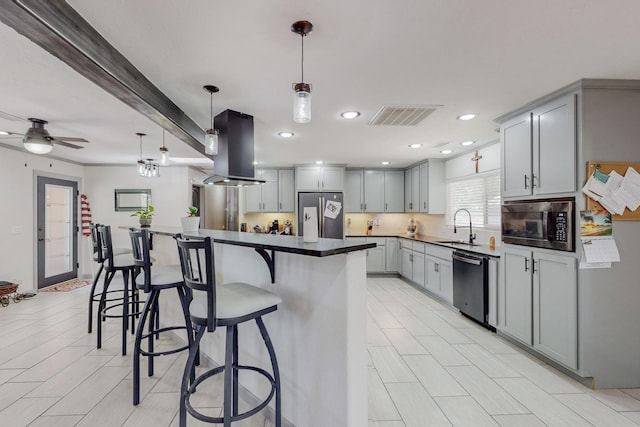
(467, 142)
(350, 114)
(255, 162)
(4, 132)
(286, 134)
(446, 151)
(385, 162)
(319, 162)
(467, 116)
(415, 145)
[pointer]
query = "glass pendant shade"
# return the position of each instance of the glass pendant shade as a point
(38, 147)
(141, 168)
(211, 142)
(302, 103)
(164, 156)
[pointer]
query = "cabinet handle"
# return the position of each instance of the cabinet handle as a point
(533, 181)
(534, 266)
(425, 205)
(526, 264)
(280, 205)
(435, 267)
(323, 183)
(385, 207)
(318, 183)
(526, 182)
(365, 206)
(410, 257)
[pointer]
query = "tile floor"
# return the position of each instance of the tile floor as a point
(428, 366)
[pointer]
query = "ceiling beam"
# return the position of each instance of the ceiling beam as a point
(60, 30)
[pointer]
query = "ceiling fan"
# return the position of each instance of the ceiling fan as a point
(38, 140)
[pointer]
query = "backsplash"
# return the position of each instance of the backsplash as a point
(430, 225)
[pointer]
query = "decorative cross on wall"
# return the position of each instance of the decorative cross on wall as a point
(476, 158)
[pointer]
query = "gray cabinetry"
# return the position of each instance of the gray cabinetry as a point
(374, 191)
(376, 258)
(439, 272)
(319, 178)
(425, 188)
(264, 197)
(412, 189)
(392, 249)
(538, 302)
(539, 150)
(354, 191)
(286, 191)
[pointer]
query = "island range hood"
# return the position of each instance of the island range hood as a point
(233, 165)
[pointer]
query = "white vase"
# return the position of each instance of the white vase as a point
(190, 223)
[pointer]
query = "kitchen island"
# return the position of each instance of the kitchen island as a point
(319, 330)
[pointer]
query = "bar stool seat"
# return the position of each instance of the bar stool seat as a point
(233, 300)
(152, 279)
(226, 305)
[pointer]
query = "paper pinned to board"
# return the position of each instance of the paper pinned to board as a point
(332, 210)
(613, 191)
(600, 250)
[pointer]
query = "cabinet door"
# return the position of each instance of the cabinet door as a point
(433, 275)
(376, 259)
(437, 194)
(424, 187)
(394, 191)
(286, 191)
(446, 281)
(392, 246)
(308, 178)
(515, 138)
(353, 192)
(407, 265)
(253, 196)
(374, 191)
(415, 189)
(518, 294)
(555, 300)
(554, 147)
(407, 191)
(332, 178)
(418, 268)
(269, 190)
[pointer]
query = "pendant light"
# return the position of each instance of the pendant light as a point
(302, 90)
(211, 134)
(146, 167)
(164, 152)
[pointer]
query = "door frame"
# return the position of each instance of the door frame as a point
(78, 180)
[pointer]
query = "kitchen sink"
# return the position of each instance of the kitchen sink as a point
(455, 242)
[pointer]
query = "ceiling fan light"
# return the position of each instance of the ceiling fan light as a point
(211, 142)
(38, 146)
(302, 103)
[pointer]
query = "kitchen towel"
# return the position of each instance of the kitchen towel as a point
(310, 225)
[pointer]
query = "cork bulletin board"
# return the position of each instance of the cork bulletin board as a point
(621, 168)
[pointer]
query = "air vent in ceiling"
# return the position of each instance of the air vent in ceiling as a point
(402, 115)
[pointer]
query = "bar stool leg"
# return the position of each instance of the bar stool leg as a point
(136, 354)
(125, 310)
(101, 304)
(92, 296)
(152, 322)
(235, 370)
(276, 370)
(228, 377)
(188, 369)
(184, 303)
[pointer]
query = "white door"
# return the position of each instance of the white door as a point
(57, 230)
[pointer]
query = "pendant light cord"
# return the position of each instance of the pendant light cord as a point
(211, 97)
(163, 131)
(302, 59)
(140, 146)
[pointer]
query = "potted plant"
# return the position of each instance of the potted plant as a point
(191, 222)
(144, 216)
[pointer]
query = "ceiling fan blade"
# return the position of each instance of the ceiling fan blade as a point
(66, 144)
(11, 117)
(69, 139)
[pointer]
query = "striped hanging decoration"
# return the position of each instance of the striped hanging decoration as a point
(85, 215)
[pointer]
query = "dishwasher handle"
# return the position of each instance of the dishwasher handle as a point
(474, 261)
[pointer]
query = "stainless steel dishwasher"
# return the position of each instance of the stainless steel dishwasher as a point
(470, 285)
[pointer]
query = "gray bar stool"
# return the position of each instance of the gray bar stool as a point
(225, 305)
(129, 301)
(152, 281)
(96, 245)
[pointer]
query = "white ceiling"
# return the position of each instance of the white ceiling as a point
(487, 57)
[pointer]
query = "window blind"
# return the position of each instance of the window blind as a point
(480, 196)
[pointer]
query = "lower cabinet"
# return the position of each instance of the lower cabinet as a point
(538, 303)
(392, 252)
(439, 272)
(376, 258)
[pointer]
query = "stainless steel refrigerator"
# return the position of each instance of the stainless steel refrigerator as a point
(330, 210)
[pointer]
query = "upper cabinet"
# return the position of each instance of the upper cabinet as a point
(374, 191)
(425, 188)
(275, 195)
(539, 150)
(320, 178)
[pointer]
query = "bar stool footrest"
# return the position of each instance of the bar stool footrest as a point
(219, 420)
(166, 352)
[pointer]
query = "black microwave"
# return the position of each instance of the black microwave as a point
(539, 223)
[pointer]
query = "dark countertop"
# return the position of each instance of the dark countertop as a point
(433, 240)
(272, 242)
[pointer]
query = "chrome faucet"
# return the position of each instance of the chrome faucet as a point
(472, 236)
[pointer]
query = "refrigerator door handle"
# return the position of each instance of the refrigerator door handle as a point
(320, 218)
